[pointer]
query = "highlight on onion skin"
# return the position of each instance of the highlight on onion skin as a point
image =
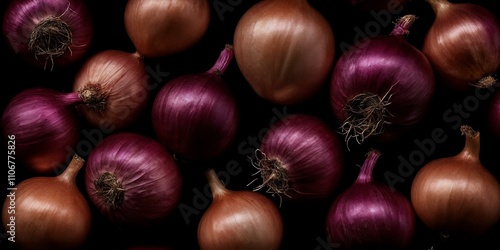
(162, 28)
(284, 49)
(371, 215)
(48, 33)
(457, 194)
(45, 124)
(300, 158)
(463, 44)
(132, 180)
(382, 87)
(113, 87)
(243, 220)
(195, 115)
(50, 212)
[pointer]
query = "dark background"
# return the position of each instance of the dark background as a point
(303, 221)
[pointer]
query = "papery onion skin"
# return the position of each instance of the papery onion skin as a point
(21, 17)
(393, 71)
(142, 174)
(196, 116)
(243, 220)
(285, 50)
(113, 86)
(45, 124)
(463, 44)
(457, 194)
(306, 153)
(370, 215)
(163, 28)
(50, 212)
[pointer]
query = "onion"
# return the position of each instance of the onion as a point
(132, 180)
(285, 50)
(463, 44)
(370, 215)
(161, 28)
(301, 158)
(377, 5)
(195, 115)
(493, 115)
(45, 124)
(457, 194)
(113, 86)
(55, 32)
(244, 220)
(48, 212)
(382, 86)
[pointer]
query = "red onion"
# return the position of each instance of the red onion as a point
(300, 158)
(45, 123)
(239, 220)
(493, 115)
(113, 86)
(370, 215)
(463, 44)
(48, 32)
(195, 115)
(382, 86)
(132, 180)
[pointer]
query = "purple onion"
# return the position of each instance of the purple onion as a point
(300, 158)
(370, 215)
(382, 87)
(132, 180)
(45, 124)
(195, 115)
(48, 33)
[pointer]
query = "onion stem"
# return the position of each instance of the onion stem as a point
(71, 171)
(403, 25)
(472, 143)
(222, 63)
(366, 174)
(216, 186)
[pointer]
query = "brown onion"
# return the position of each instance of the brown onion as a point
(284, 49)
(114, 87)
(161, 28)
(458, 194)
(463, 44)
(243, 220)
(48, 212)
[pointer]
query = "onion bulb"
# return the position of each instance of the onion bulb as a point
(195, 115)
(243, 220)
(370, 215)
(457, 194)
(381, 87)
(285, 50)
(463, 44)
(162, 28)
(300, 158)
(132, 180)
(48, 32)
(45, 213)
(45, 124)
(113, 86)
